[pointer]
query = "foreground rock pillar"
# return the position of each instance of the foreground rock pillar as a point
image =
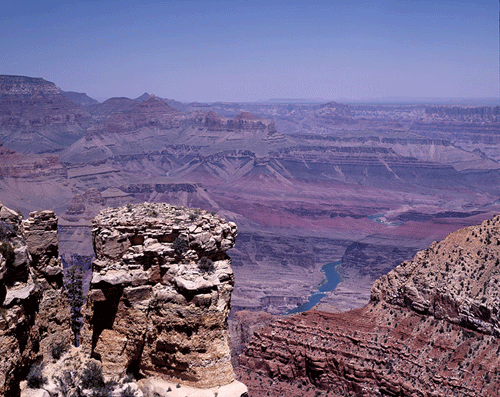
(34, 309)
(160, 294)
(53, 319)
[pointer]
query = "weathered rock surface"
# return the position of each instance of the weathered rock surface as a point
(430, 329)
(35, 313)
(160, 294)
(242, 326)
(456, 279)
(53, 318)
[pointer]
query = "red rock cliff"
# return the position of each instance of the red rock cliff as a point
(431, 329)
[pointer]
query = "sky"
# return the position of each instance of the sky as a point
(216, 50)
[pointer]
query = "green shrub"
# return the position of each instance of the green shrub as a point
(7, 251)
(58, 349)
(35, 377)
(7, 230)
(206, 265)
(74, 286)
(127, 392)
(92, 376)
(180, 245)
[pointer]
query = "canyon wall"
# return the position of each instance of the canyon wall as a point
(430, 329)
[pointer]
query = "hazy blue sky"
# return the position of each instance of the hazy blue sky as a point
(250, 50)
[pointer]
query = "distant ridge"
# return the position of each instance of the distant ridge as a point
(489, 101)
(79, 98)
(295, 100)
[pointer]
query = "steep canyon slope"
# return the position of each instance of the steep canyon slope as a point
(430, 329)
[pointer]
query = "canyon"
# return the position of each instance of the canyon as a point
(367, 186)
(308, 184)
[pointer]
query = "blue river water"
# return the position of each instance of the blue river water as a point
(332, 280)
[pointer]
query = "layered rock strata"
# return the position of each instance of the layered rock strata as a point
(430, 329)
(36, 117)
(160, 294)
(35, 312)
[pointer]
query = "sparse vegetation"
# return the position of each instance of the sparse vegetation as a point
(75, 295)
(7, 231)
(58, 349)
(127, 392)
(180, 245)
(35, 376)
(7, 251)
(92, 377)
(206, 265)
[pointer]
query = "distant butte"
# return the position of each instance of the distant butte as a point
(246, 116)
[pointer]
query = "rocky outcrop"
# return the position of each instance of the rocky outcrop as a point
(52, 322)
(456, 279)
(35, 313)
(242, 326)
(430, 329)
(160, 294)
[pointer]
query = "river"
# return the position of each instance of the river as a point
(332, 280)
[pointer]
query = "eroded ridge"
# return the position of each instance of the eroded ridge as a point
(160, 294)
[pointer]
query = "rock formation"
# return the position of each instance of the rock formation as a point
(53, 319)
(35, 313)
(160, 294)
(430, 329)
(456, 279)
(242, 327)
(36, 117)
